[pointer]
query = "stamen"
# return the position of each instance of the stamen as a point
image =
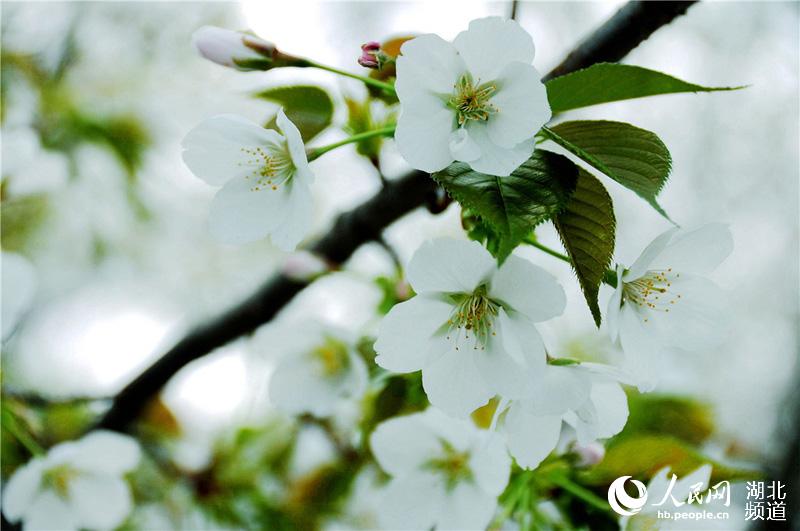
(474, 314)
(652, 291)
(331, 357)
(452, 464)
(273, 168)
(471, 100)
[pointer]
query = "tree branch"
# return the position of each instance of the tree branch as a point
(624, 31)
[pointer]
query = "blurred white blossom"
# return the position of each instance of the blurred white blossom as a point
(478, 100)
(470, 329)
(19, 288)
(264, 174)
(77, 485)
(664, 300)
(230, 48)
(446, 473)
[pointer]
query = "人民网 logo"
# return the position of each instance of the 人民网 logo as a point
(621, 502)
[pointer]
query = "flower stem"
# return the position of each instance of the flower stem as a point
(388, 87)
(30, 444)
(318, 152)
(609, 277)
(579, 491)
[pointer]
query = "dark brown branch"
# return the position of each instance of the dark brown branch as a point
(629, 27)
(623, 32)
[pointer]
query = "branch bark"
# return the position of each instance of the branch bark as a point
(631, 25)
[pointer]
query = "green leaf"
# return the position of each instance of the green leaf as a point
(684, 418)
(309, 107)
(607, 82)
(587, 227)
(635, 158)
(641, 456)
(515, 204)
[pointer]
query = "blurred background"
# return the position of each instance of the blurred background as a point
(96, 98)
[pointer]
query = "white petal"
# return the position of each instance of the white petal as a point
(560, 389)
(528, 289)
(466, 507)
(240, 214)
(21, 490)
(503, 375)
(530, 438)
(100, 502)
(106, 452)
(449, 266)
(490, 43)
(427, 65)
(459, 433)
(642, 352)
(19, 288)
(454, 384)
(462, 146)
(522, 106)
(699, 251)
(50, 512)
(522, 341)
(423, 134)
(298, 216)
(404, 335)
(294, 141)
(614, 303)
(498, 160)
(411, 502)
(213, 150)
(403, 444)
(298, 386)
(642, 264)
(611, 413)
(490, 464)
(683, 487)
(222, 46)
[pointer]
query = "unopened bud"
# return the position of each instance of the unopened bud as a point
(589, 454)
(303, 266)
(236, 49)
(370, 55)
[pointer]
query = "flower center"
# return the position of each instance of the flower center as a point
(272, 167)
(452, 465)
(473, 314)
(331, 357)
(58, 478)
(471, 100)
(652, 291)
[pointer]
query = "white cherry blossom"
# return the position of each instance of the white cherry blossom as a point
(77, 485)
(478, 99)
(446, 473)
(319, 369)
(264, 174)
(664, 300)
(19, 287)
(588, 397)
(470, 329)
(231, 48)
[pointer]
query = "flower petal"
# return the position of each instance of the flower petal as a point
(427, 65)
(462, 146)
(459, 433)
(522, 341)
(611, 404)
(642, 264)
(106, 452)
(48, 512)
(213, 150)
(642, 352)
(403, 444)
(299, 214)
(614, 303)
(18, 288)
(294, 142)
(522, 105)
(449, 266)
(411, 502)
(423, 134)
(240, 214)
(490, 43)
(528, 289)
(490, 463)
(698, 251)
(498, 160)
(404, 335)
(454, 383)
(466, 507)
(21, 490)
(100, 502)
(530, 438)
(559, 390)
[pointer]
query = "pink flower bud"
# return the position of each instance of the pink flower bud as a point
(369, 55)
(303, 266)
(231, 48)
(590, 454)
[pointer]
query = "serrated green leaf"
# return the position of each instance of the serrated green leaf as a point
(515, 204)
(634, 157)
(309, 107)
(641, 456)
(587, 228)
(607, 82)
